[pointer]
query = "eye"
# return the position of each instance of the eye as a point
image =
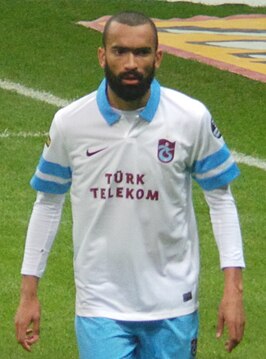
(145, 51)
(118, 51)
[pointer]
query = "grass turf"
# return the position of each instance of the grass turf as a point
(42, 47)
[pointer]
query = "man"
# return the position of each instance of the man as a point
(128, 151)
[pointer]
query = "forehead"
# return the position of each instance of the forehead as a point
(130, 36)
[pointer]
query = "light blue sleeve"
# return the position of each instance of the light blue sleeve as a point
(213, 166)
(53, 173)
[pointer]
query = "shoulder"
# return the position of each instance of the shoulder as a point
(74, 115)
(76, 106)
(184, 111)
(182, 101)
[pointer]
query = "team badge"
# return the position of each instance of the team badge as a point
(48, 141)
(215, 129)
(166, 151)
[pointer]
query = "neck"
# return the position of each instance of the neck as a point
(121, 104)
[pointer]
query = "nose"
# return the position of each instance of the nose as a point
(130, 63)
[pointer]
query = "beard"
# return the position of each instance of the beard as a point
(129, 92)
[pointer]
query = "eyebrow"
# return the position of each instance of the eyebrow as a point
(134, 50)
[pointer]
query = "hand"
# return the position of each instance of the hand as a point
(231, 315)
(27, 322)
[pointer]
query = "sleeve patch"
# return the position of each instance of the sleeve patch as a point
(215, 129)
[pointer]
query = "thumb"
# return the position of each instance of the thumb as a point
(34, 332)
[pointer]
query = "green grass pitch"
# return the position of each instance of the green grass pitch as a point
(41, 47)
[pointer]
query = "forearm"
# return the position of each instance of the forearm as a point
(233, 280)
(226, 227)
(42, 229)
(29, 286)
(233, 287)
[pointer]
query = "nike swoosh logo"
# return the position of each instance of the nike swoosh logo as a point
(94, 152)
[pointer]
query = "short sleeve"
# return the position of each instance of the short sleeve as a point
(53, 173)
(213, 164)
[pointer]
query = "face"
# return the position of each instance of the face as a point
(129, 61)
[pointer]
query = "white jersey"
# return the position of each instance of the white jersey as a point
(136, 254)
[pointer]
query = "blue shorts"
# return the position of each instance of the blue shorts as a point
(103, 338)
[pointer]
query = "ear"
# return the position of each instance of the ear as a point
(101, 56)
(158, 58)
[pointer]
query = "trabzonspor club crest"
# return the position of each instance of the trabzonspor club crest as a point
(166, 150)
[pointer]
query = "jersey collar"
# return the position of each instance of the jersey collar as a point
(111, 116)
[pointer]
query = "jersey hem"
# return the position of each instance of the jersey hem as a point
(137, 316)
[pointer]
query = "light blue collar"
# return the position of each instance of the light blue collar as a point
(111, 116)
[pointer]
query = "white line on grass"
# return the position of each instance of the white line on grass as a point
(56, 101)
(250, 161)
(34, 94)
(6, 133)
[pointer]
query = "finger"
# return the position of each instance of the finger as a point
(25, 338)
(231, 344)
(36, 326)
(220, 327)
(36, 330)
(32, 337)
(235, 337)
(24, 343)
(21, 331)
(29, 341)
(32, 340)
(29, 331)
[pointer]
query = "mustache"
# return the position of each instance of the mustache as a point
(130, 73)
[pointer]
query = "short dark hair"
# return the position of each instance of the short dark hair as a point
(130, 18)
